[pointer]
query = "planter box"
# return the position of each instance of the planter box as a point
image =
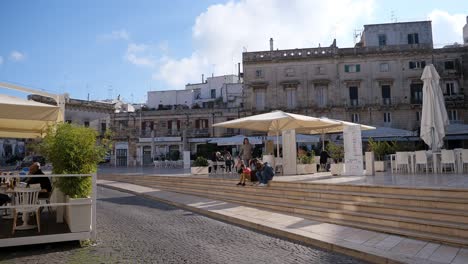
(379, 165)
(336, 168)
(78, 217)
(306, 168)
(199, 170)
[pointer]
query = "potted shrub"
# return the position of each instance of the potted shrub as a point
(200, 166)
(336, 152)
(305, 164)
(380, 149)
(73, 149)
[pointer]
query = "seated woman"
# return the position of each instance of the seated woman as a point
(4, 199)
(46, 186)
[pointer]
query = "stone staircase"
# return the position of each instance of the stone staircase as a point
(439, 215)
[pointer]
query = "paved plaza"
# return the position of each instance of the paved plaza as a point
(371, 245)
(133, 229)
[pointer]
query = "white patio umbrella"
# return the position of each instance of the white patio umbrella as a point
(20, 118)
(338, 127)
(277, 121)
(434, 120)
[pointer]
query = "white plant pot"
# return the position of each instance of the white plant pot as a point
(78, 217)
(337, 168)
(379, 165)
(306, 168)
(199, 170)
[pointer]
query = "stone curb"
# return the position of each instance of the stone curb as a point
(347, 248)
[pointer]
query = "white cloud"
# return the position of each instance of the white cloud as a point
(447, 28)
(139, 54)
(220, 33)
(121, 34)
(17, 56)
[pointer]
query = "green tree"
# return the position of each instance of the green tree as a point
(73, 149)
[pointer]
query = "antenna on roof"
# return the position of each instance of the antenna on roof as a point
(357, 33)
(393, 17)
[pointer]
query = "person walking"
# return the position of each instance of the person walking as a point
(246, 151)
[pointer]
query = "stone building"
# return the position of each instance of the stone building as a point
(377, 82)
(176, 120)
(93, 114)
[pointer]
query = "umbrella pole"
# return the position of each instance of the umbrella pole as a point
(277, 144)
(323, 141)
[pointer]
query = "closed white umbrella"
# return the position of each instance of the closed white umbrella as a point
(434, 120)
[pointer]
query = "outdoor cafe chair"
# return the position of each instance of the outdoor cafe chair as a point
(421, 160)
(279, 164)
(464, 159)
(447, 158)
(24, 197)
(402, 160)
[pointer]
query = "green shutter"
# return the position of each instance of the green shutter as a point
(358, 67)
(346, 68)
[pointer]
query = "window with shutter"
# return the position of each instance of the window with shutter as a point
(358, 67)
(197, 124)
(346, 68)
(169, 125)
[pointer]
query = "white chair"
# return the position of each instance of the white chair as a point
(402, 160)
(421, 160)
(447, 158)
(25, 197)
(279, 164)
(464, 159)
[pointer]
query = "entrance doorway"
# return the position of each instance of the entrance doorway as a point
(121, 157)
(147, 159)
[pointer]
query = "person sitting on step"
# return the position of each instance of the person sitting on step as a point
(264, 173)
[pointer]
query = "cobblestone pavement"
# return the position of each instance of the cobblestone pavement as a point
(132, 229)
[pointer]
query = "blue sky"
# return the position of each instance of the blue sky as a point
(107, 48)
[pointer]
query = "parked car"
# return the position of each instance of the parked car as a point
(106, 158)
(29, 160)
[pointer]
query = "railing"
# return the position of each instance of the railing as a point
(191, 132)
(58, 205)
(326, 52)
(454, 97)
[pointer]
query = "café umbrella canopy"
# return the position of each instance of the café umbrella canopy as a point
(276, 121)
(21, 118)
(434, 118)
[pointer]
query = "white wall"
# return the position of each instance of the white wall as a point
(172, 97)
(397, 33)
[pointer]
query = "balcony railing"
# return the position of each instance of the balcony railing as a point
(386, 101)
(454, 97)
(191, 132)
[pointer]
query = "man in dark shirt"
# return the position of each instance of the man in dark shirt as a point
(46, 186)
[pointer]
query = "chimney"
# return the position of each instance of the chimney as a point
(465, 33)
(238, 72)
(203, 78)
(271, 44)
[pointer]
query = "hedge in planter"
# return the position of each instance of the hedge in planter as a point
(72, 149)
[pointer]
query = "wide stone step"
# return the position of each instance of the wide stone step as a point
(445, 215)
(407, 191)
(301, 186)
(290, 203)
(451, 233)
(381, 199)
